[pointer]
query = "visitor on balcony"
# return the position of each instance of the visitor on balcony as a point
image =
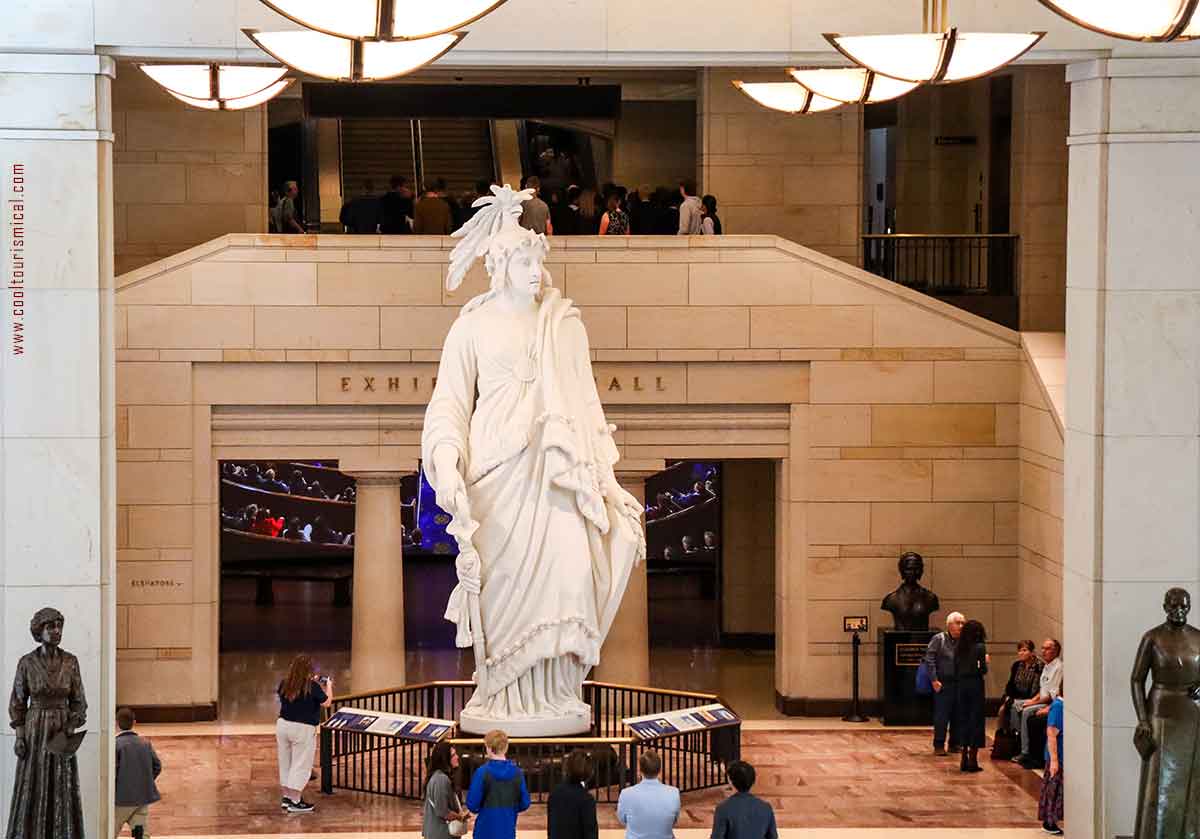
(432, 216)
(615, 221)
(689, 209)
(535, 213)
(396, 207)
(710, 222)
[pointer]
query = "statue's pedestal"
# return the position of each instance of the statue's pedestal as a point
(900, 654)
(560, 726)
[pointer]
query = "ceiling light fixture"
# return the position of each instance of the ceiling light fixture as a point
(219, 87)
(852, 85)
(789, 97)
(383, 20)
(352, 60)
(939, 54)
(1133, 20)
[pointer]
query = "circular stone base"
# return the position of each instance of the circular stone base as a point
(561, 726)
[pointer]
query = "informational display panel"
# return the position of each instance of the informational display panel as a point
(427, 729)
(652, 726)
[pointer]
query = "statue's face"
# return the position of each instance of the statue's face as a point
(52, 633)
(525, 272)
(912, 569)
(1177, 605)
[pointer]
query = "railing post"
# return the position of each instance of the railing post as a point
(326, 761)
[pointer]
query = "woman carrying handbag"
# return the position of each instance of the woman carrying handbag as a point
(444, 816)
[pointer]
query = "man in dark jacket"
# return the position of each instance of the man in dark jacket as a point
(137, 768)
(742, 815)
(939, 660)
(498, 792)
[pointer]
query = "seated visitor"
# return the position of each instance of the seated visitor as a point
(229, 519)
(669, 554)
(274, 484)
(498, 792)
(252, 476)
(247, 517)
(347, 494)
(742, 815)
(1049, 686)
(296, 531)
(710, 540)
(261, 524)
(417, 537)
(137, 768)
(323, 534)
(315, 491)
(571, 810)
(689, 545)
(1050, 804)
(650, 808)
(298, 486)
(1023, 682)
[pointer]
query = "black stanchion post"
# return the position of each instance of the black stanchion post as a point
(855, 714)
(326, 761)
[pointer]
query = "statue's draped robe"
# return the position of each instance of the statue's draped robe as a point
(1169, 796)
(47, 695)
(525, 418)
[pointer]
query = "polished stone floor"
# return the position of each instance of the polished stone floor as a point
(837, 778)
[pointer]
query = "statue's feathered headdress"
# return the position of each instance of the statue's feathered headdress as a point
(497, 214)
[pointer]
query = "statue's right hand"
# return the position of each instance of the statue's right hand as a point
(450, 488)
(1143, 740)
(20, 748)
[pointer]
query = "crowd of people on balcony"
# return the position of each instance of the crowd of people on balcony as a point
(253, 518)
(555, 210)
(667, 502)
(254, 476)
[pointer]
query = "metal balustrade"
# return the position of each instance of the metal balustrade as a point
(385, 765)
(946, 264)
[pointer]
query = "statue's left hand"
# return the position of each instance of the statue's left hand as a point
(624, 499)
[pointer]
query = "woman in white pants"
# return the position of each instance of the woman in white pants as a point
(301, 697)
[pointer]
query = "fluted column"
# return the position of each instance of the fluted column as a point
(377, 644)
(625, 656)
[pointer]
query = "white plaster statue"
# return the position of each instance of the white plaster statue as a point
(519, 453)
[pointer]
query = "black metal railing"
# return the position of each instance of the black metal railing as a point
(947, 263)
(378, 763)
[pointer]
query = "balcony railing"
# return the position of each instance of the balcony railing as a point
(946, 264)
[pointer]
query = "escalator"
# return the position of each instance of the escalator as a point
(458, 150)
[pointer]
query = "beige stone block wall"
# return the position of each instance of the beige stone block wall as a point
(748, 547)
(1041, 485)
(749, 348)
(655, 144)
(1041, 109)
(181, 175)
(795, 177)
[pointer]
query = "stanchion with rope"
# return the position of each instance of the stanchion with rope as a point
(855, 625)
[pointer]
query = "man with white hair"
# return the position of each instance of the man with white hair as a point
(939, 660)
(1049, 689)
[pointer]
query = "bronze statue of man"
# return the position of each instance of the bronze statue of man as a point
(47, 700)
(1168, 730)
(911, 604)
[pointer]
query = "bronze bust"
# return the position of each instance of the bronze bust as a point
(911, 604)
(1168, 729)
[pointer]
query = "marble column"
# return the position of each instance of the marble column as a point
(377, 643)
(1132, 470)
(57, 415)
(625, 656)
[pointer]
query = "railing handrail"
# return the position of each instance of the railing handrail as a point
(459, 683)
(533, 741)
(941, 235)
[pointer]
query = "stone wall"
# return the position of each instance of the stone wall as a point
(797, 177)
(181, 175)
(1041, 105)
(655, 144)
(891, 418)
(1043, 377)
(748, 547)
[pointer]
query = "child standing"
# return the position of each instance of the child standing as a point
(497, 792)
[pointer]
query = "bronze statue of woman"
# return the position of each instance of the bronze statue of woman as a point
(1168, 730)
(911, 604)
(47, 700)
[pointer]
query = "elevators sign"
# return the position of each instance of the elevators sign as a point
(910, 655)
(412, 384)
(403, 726)
(653, 726)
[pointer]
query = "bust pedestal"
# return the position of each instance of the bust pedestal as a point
(900, 654)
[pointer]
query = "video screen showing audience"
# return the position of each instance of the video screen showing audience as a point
(683, 514)
(304, 508)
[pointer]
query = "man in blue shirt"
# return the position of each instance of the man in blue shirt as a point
(742, 815)
(1050, 805)
(649, 809)
(498, 792)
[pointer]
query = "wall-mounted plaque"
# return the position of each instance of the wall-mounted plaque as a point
(854, 623)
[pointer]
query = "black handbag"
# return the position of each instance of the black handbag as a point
(1006, 744)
